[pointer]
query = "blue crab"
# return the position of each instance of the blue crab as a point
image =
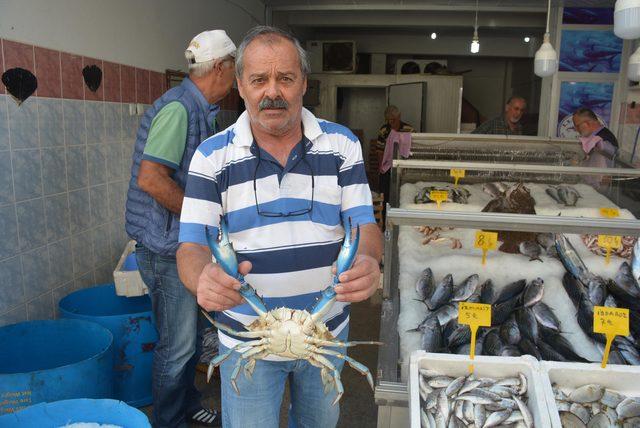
(285, 332)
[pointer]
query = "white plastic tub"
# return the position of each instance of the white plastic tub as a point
(622, 379)
(485, 366)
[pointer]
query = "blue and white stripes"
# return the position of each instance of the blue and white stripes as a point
(291, 256)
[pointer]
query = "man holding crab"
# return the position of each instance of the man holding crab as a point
(285, 183)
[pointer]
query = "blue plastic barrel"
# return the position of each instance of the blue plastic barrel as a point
(134, 336)
(61, 413)
(54, 360)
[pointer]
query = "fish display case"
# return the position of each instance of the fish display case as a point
(543, 277)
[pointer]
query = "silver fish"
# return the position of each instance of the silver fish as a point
(479, 415)
(545, 316)
(611, 398)
(533, 292)
(596, 289)
(530, 249)
(624, 279)
(570, 258)
(496, 418)
(631, 423)
(527, 417)
(432, 336)
(442, 293)
(553, 193)
(425, 284)
(468, 287)
(568, 195)
(527, 324)
(440, 381)
(455, 386)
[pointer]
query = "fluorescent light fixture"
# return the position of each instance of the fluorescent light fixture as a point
(527, 39)
(434, 36)
(626, 19)
(475, 43)
(545, 63)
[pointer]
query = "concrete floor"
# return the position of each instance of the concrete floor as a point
(357, 406)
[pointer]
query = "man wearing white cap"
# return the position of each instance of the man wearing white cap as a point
(169, 133)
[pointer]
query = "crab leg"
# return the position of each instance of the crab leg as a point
(338, 344)
(345, 260)
(361, 368)
(218, 359)
(336, 375)
(226, 258)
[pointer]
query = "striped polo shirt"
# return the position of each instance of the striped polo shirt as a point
(324, 178)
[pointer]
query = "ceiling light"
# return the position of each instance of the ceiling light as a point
(527, 39)
(475, 42)
(626, 19)
(546, 59)
(633, 73)
(433, 36)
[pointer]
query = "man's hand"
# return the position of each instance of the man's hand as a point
(217, 291)
(360, 282)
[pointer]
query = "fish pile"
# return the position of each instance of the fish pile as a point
(544, 244)
(459, 195)
(595, 406)
(624, 251)
(467, 401)
(520, 322)
(563, 194)
(587, 290)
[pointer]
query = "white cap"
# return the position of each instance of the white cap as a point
(210, 45)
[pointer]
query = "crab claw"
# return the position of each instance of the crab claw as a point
(222, 249)
(348, 250)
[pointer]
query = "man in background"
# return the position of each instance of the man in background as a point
(599, 144)
(169, 133)
(509, 122)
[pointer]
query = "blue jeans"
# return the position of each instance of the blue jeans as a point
(258, 404)
(174, 358)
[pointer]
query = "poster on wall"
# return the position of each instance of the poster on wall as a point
(587, 15)
(590, 51)
(596, 96)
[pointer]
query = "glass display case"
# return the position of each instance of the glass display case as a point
(547, 270)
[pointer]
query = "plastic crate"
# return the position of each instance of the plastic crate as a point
(485, 366)
(622, 379)
(126, 276)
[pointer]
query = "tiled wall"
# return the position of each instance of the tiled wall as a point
(65, 157)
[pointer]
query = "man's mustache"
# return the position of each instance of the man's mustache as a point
(271, 103)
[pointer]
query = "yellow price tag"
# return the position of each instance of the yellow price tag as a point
(608, 242)
(474, 315)
(612, 322)
(457, 174)
(486, 241)
(610, 212)
(439, 196)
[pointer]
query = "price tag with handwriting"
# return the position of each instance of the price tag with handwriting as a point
(609, 242)
(474, 315)
(611, 322)
(438, 196)
(485, 241)
(457, 174)
(610, 212)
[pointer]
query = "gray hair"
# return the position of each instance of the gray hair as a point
(199, 69)
(391, 111)
(270, 33)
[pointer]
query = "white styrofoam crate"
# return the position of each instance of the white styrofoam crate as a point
(623, 379)
(485, 366)
(128, 283)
